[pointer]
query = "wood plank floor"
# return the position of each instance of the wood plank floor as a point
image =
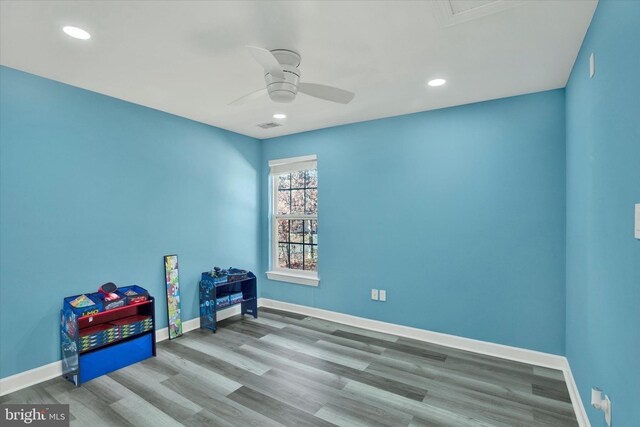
(291, 370)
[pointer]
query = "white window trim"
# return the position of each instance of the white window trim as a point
(277, 167)
(297, 277)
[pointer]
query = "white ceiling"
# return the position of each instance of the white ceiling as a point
(188, 58)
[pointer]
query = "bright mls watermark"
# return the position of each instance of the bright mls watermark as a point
(34, 415)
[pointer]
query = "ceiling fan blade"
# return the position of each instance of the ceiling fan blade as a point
(328, 93)
(250, 97)
(267, 60)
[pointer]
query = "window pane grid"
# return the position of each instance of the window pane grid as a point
(297, 193)
(295, 214)
(297, 244)
(298, 188)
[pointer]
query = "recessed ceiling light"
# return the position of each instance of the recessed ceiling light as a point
(279, 116)
(436, 82)
(76, 33)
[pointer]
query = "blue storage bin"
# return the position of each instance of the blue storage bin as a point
(110, 305)
(235, 298)
(98, 336)
(142, 294)
(102, 361)
(208, 280)
(222, 301)
(236, 274)
(84, 311)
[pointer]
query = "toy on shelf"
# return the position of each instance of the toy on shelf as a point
(108, 290)
(216, 276)
(110, 297)
(107, 305)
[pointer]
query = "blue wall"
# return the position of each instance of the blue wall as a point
(94, 189)
(603, 184)
(458, 213)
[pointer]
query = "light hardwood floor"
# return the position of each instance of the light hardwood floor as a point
(292, 370)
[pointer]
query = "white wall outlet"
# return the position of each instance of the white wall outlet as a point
(637, 231)
(383, 295)
(592, 65)
(374, 294)
(604, 404)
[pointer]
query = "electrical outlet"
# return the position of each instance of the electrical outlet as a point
(637, 227)
(374, 294)
(604, 404)
(383, 295)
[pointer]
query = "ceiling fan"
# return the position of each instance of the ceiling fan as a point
(282, 77)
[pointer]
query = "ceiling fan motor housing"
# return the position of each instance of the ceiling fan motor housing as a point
(284, 90)
(282, 79)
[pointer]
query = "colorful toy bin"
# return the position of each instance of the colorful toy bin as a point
(141, 294)
(235, 298)
(234, 274)
(110, 305)
(222, 301)
(133, 325)
(208, 280)
(84, 311)
(97, 336)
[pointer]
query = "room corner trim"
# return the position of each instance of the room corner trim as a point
(574, 393)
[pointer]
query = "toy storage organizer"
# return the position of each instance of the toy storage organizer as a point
(94, 344)
(216, 295)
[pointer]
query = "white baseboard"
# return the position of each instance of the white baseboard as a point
(190, 325)
(43, 373)
(187, 325)
(31, 377)
(532, 357)
(476, 346)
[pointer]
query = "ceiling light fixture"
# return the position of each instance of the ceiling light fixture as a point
(279, 116)
(76, 33)
(436, 82)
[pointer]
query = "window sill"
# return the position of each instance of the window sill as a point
(300, 279)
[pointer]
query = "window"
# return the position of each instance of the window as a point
(294, 220)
